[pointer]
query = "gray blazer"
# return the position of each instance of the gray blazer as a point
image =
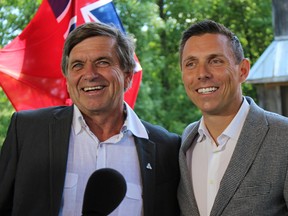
(255, 182)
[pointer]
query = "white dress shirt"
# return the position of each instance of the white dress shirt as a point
(207, 162)
(87, 154)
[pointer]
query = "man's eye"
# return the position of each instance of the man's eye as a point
(102, 63)
(190, 64)
(76, 66)
(216, 61)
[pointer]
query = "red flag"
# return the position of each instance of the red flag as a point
(30, 72)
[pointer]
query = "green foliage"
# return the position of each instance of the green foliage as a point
(157, 27)
(14, 16)
(5, 114)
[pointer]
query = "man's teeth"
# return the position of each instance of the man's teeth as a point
(207, 90)
(93, 88)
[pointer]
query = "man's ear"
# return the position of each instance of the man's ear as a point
(67, 86)
(128, 80)
(244, 68)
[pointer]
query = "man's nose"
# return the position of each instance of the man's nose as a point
(91, 71)
(204, 72)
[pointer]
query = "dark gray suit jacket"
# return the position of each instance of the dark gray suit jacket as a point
(34, 156)
(255, 182)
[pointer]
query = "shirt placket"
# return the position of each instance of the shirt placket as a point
(213, 165)
(101, 156)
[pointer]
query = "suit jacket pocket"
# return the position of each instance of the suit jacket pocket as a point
(253, 189)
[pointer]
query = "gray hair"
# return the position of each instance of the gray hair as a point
(124, 46)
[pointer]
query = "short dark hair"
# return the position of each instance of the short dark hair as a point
(212, 27)
(124, 46)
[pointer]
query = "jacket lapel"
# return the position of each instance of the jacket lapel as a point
(254, 130)
(186, 195)
(146, 154)
(59, 135)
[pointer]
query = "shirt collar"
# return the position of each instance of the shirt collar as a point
(234, 128)
(78, 121)
(132, 122)
(202, 130)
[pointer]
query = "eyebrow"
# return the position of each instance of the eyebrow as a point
(75, 61)
(189, 58)
(216, 55)
(210, 56)
(100, 58)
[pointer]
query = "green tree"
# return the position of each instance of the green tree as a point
(157, 26)
(14, 16)
(5, 114)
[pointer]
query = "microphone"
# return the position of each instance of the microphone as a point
(104, 191)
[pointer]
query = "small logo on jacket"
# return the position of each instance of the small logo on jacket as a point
(148, 166)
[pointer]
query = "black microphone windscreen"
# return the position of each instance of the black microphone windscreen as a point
(104, 191)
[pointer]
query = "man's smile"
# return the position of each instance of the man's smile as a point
(207, 90)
